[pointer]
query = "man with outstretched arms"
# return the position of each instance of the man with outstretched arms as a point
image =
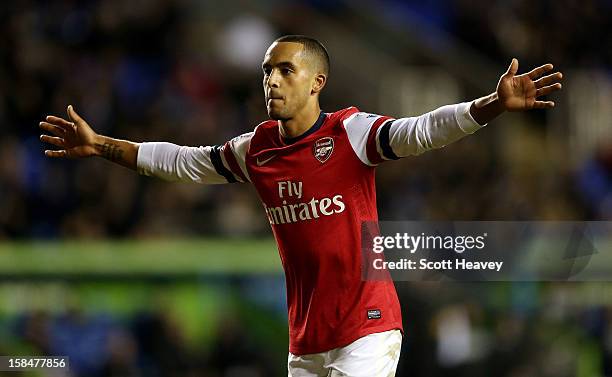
(314, 173)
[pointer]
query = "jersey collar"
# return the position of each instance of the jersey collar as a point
(314, 128)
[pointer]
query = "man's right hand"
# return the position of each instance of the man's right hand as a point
(75, 137)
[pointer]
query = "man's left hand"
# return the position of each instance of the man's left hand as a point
(521, 92)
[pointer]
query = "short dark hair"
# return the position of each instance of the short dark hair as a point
(311, 46)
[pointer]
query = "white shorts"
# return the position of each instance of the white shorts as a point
(374, 355)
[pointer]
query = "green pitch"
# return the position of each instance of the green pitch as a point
(151, 257)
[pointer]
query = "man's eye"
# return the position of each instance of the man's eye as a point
(286, 71)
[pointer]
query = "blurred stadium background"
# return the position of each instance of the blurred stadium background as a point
(130, 276)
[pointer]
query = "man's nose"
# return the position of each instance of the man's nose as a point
(274, 79)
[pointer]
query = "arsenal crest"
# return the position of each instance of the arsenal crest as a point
(323, 149)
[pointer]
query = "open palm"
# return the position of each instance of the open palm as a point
(521, 92)
(75, 137)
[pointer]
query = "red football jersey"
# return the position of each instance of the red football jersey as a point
(317, 190)
(316, 194)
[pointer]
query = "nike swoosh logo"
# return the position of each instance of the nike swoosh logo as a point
(262, 162)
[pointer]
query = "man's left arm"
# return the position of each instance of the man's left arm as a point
(447, 124)
(517, 93)
(376, 139)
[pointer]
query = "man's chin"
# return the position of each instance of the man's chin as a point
(276, 115)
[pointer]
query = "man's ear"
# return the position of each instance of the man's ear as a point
(319, 82)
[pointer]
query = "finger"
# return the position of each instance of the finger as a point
(543, 104)
(60, 153)
(60, 122)
(73, 114)
(546, 80)
(513, 68)
(57, 141)
(55, 130)
(548, 89)
(539, 71)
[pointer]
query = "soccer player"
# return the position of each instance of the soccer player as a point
(314, 174)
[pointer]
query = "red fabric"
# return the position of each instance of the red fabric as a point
(371, 150)
(316, 211)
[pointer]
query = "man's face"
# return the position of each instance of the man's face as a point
(287, 80)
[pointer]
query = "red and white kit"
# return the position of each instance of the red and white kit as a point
(316, 190)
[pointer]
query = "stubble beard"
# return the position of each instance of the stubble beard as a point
(278, 114)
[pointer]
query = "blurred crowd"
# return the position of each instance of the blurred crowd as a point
(149, 343)
(188, 73)
(145, 72)
(510, 330)
(469, 329)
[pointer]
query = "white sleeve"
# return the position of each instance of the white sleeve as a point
(376, 138)
(435, 129)
(206, 164)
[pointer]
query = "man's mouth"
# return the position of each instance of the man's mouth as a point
(271, 99)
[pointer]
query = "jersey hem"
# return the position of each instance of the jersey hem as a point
(300, 351)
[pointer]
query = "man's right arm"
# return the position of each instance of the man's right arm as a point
(122, 152)
(211, 164)
(76, 139)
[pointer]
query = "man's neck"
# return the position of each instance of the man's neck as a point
(299, 124)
